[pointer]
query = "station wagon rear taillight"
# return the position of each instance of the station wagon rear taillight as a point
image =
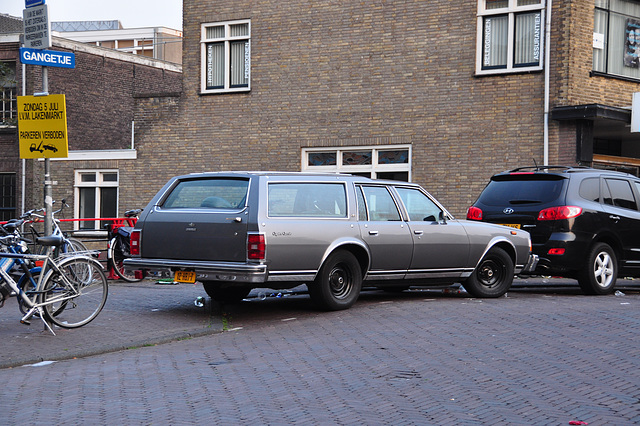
(134, 242)
(474, 213)
(256, 246)
(561, 212)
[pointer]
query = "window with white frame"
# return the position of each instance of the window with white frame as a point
(226, 56)
(8, 94)
(509, 36)
(378, 162)
(616, 38)
(96, 196)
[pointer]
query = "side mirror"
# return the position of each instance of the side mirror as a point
(442, 218)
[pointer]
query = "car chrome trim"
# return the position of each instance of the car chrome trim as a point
(224, 271)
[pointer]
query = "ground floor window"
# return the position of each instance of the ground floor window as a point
(96, 196)
(378, 162)
(7, 196)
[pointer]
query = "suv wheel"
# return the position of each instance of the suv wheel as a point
(600, 273)
(338, 283)
(493, 276)
(225, 294)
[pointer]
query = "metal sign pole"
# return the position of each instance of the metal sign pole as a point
(48, 199)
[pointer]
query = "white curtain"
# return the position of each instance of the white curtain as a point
(528, 36)
(215, 65)
(621, 12)
(496, 31)
(239, 52)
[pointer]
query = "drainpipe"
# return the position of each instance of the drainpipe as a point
(547, 62)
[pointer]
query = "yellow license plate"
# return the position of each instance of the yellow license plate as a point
(511, 225)
(185, 277)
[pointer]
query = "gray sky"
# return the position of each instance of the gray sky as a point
(131, 13)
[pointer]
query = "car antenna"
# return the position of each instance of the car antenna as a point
(536, 164)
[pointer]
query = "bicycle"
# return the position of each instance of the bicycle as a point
(69, 291)
(118, 248)
(70, 244)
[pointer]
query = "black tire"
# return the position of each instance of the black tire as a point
(338, 283)
(118, 252)
(83, 290)
(600, 273)
(493, 275)
(225, 294)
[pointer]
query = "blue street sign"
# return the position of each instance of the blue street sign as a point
(47, 58)
(31, 3)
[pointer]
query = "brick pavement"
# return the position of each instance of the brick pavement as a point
(534, 357)
(135, 314)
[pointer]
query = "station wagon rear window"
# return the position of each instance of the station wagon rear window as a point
(208, 194)
(307, 200)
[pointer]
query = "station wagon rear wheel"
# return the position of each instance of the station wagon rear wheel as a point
(338, 283)
(599, 274)
(493, 275)
(224, 294)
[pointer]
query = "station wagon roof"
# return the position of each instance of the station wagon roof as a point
(294, 175)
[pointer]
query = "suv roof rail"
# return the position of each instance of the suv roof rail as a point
(540, 168)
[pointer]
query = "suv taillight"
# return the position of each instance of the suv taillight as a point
(561, 212)
(256, 246)
(474, 213)
(134, 242)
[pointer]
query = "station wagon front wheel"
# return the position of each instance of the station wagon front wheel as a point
(338, 283)
(493, 275)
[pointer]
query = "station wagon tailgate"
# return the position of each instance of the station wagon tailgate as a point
(199, 219)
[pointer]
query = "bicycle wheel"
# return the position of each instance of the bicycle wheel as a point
(82, 285)
(119, 251)
(70, 246)
(28, 285)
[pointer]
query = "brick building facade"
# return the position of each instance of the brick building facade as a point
(440, 93)
(102, 93)
(339, 85)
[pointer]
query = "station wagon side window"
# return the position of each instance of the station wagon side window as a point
(380, 204)
(621, 194)
(307, 199)
(208, 194)
(418, 205)
(362, 206)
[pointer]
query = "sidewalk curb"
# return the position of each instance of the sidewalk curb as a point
(110, 348)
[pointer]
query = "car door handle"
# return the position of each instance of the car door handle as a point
(614, 218)
(418, 232)
(373, 232)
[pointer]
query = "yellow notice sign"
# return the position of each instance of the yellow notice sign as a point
(42, 126)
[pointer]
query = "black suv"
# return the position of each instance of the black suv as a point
(584, 223)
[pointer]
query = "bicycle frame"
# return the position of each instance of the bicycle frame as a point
(49, 266)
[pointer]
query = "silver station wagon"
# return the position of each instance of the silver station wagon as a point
(234, 231)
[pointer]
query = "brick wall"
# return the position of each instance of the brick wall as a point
(353, 73)
(102, 94)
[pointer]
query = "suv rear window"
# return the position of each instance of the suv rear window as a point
(208, 193)
(522, 189)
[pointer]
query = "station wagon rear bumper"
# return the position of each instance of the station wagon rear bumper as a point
(205, 271)
(531, 265)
